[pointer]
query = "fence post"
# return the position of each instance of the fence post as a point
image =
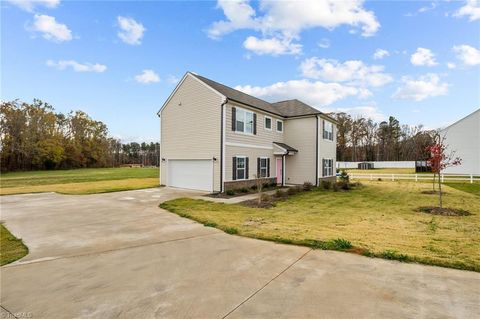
(471, 178)
(393, 177)
(416, 177)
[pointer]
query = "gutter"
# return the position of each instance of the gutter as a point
(222, 143)
(316, 153)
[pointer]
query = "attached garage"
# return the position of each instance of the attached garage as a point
(191, 174)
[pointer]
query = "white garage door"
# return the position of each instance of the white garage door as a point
(191, 174)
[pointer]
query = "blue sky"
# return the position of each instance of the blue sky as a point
(119, 60)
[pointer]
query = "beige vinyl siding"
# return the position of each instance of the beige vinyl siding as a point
(190, 126)
(263, 137)
(326, 148)
(252, 154)
(301, 135)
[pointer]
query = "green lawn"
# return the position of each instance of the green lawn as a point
(473, 188)
(79, 181)
(378, 219)
(382, 171)
(11, 248)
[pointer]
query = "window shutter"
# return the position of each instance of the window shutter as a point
(258, 167)
(246, 168)
(255, 123)
(268, 167)
(234, 119)
(234, 168)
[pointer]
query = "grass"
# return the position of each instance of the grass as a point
(378, 220)
(473, 188)
(11, 248)
(382, 171)
(79, 181)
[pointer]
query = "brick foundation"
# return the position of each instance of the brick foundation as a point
(331, 179)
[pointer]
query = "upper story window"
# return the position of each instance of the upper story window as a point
(279, 126)
(327, 130)
(244, 121)
(268, 123)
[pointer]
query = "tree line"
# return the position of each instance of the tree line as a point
(34, 137)
(362, 139)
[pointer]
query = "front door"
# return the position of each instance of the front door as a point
(279, 170)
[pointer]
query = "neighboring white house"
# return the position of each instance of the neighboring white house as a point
(463, 137)
(216, 138)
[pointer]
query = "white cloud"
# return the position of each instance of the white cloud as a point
(423, 57)
(467, 54)
(352, 71)
(51, 29)
(315, 93)
(147, 77)
(131, 30)
(425, 86)
(272, 46)
(29, 5)
(380, 54)
(451, 65)
(324, 43)
(281, 21)
(369, 112)
(77, 67)
(471, 9)
(424, 9)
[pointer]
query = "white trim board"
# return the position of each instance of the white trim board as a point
(249, 145)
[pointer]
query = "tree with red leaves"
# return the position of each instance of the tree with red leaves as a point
(440, 160)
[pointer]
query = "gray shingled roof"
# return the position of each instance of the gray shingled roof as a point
(286, 147)
(289, 108)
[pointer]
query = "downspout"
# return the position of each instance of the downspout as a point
(222, 143)
(316, 154)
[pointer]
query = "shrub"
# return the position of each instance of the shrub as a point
(230, 192)
(244, 190)
(307, 186)
(336, 188)
(379, 179)
(273, 184)
(344, 176)
(265, 198)
(231, 230)
(266, 185)
(254, 187)
(325, 184)
(279, 193)
(292, 191)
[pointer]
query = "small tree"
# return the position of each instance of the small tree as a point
(259, 184)
(440, 159)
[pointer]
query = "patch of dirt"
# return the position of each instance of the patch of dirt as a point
(432, 192)
(445, 211)
(255, 204)
(254, 222)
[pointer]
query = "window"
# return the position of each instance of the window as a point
(240, 167)
(268, 123)
(327, 130)
(263, 169)
(279, 126)
(244, 121)
(327, 165)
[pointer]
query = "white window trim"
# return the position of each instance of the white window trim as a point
(323, 168)
(265, 121)
(244, 132)
(324, 130)
(244, 168)
(276, 126)
(266, 166)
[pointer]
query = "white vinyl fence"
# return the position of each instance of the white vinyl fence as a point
(416, 177)
(379, 164)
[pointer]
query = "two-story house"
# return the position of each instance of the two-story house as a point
(215, 138)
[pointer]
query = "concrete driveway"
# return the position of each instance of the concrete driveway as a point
(118, 255)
